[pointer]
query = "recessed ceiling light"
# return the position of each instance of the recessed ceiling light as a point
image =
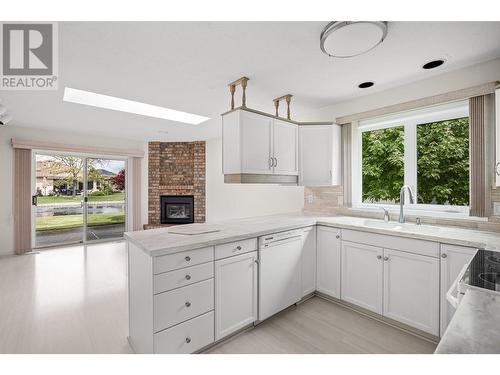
(365, 85)
(433, 64)
(348, 38)
(124, 105)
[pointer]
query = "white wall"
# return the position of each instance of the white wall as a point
(455, 80)
(6, 168)
(229, 201)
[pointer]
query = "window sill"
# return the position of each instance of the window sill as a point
(413, 213)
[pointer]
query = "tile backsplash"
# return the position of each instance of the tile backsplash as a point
(330, 200)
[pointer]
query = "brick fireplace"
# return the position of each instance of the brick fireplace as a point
(175, 169)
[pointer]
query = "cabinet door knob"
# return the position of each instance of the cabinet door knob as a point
(238, 248)
(337, 236)
(188, 304)
(386, 258)
(379, 256)
(188, 277)
(188, 340)
(188, 258)
(257, 261)
(443, 255)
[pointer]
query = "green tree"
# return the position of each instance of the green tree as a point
(383, 164)
(443, 162)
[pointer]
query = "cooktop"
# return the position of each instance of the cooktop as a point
(484, 270)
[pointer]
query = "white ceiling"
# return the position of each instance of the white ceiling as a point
(187, 65)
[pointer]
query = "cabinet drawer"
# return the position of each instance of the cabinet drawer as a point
(410, 245)
(188, 258)
(186, 337)
(182, 277)
(235, 248)
(182, 304)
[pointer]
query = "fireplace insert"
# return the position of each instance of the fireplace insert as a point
(177, 209)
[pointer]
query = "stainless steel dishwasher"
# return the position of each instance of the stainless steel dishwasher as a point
(280, 271)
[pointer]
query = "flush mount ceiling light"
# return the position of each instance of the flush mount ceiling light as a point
(366, 85)
(352, 38)
(433, 64)
(124, 105)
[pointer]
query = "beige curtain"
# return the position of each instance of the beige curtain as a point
(136, 193)
(22, 200)
(346, 165)
(480, 121)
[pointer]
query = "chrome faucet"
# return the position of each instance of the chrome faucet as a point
(402, 201)
(386, 214)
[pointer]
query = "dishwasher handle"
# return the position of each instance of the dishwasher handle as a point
(281, 241)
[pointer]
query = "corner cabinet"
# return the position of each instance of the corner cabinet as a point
(320, 155)
(259, 144)
(453, 259)
(328, 263)
(308, 260)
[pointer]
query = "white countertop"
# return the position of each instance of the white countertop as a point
(160, 242)
(475, 327)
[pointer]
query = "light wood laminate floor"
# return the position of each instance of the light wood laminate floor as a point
(74, 300)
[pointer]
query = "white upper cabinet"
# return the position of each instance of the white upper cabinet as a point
(320, 155)
(256, 144)
(286, 140)
(497, 137)
(453, 259)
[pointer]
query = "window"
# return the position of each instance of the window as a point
(427, 149)
(383, 165)
(443, 162)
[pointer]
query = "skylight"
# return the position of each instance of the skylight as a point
(124, 105)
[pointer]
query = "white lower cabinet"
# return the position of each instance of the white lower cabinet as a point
(308, 260)
(362, 275)
(235, 293)
(328, 261)
(453, 259)
(411, 290)
(186, 337)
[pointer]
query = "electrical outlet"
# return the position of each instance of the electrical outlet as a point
(496, 208)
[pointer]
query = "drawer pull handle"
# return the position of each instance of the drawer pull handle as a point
(238, 248)
(188, 340)
(188, 304)
(188, 277)
(188, 258)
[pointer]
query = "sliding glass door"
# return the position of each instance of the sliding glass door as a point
(106, 199)
(78, 199)
(57, 200)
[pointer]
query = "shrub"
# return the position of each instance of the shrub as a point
(107, 190)
(97, 194)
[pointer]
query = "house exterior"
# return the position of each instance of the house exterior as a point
(51, 180)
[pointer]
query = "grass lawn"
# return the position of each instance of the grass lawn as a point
(79, 198)
(76, 221)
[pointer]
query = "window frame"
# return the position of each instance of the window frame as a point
(409, 121)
